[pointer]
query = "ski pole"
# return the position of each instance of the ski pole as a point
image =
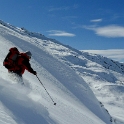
(45, 89)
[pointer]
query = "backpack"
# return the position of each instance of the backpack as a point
(11, 58)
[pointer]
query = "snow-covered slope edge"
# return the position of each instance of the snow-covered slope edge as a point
(76, 103)
(105, 62)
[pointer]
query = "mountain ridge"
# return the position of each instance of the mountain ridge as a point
(65, 70)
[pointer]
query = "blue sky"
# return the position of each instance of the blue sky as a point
(82, 24)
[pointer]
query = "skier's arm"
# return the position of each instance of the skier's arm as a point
(28, 67)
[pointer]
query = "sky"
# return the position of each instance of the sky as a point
(81, 24)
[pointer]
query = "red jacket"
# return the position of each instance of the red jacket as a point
(23, 63)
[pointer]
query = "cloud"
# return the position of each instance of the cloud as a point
(96, 20)
(108, 31)
(115, 54)
(60, 33)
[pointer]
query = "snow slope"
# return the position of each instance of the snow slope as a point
(66, 74)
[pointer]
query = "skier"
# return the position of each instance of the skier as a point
(17, 62)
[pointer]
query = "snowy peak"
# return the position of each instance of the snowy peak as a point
(24, 31)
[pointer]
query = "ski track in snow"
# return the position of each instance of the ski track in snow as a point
(63, 71)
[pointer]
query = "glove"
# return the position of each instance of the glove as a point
(34, 72)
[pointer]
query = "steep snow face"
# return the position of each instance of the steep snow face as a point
(58, 68)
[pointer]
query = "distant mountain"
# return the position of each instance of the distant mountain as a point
(105, 62)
